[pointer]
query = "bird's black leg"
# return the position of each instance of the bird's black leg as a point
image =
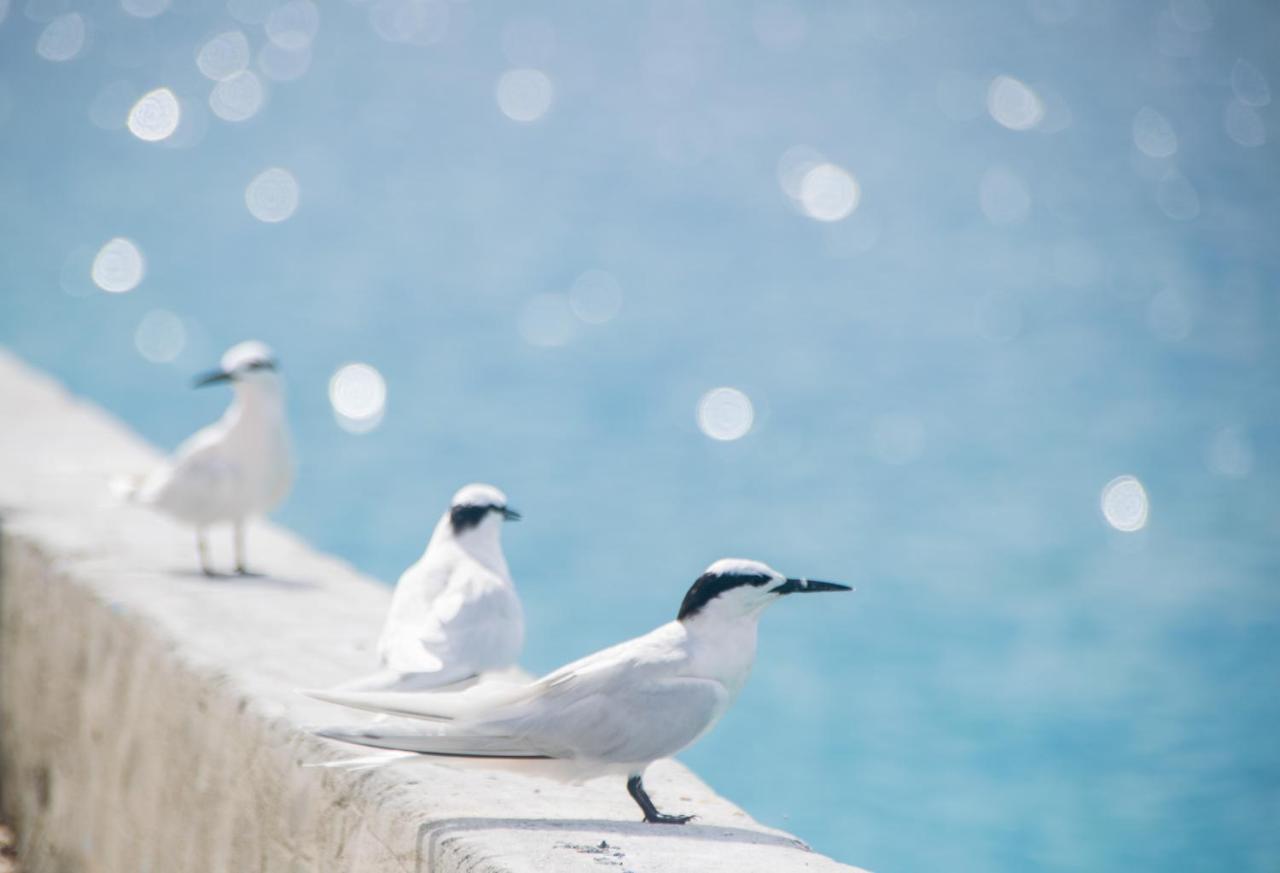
(202, 548)
(241, 568)
(636, 789)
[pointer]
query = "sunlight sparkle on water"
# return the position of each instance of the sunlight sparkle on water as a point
(144, 8)
(1124, 504)
(118, 266)
(1153, 134)
(1013, 104)
(595, 297)
(725, 414)
(62, 38)
(1249, 84)
(419, 22)
(160, 337)
(1230, 454)
(224, 55)
(1244, 125)
(272, 196)
(1177, 197)
(293, 25)
(525, 94)
(238, 98)
(1003, 196)
(358, 394)
(829, 193)
(155, 116)
(547, 320)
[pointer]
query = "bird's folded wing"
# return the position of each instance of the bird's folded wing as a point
(437, 706)
(464, 745)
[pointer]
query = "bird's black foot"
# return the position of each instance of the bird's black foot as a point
(242, 570)
(663, 818)
(636, 789)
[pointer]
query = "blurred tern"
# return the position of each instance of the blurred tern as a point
(615, 711)
(238, 467)
(455, 613)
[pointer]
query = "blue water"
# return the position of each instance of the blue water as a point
(943, 382)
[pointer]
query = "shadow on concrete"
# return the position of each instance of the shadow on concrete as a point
(432, 835)
(259, 580)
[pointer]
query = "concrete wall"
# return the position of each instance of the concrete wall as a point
(149, 722)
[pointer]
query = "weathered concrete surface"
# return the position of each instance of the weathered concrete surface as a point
(148, 718)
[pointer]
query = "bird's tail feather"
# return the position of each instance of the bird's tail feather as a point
(441, 706)
(445, 744)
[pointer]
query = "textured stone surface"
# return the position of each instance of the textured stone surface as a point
(149, 720)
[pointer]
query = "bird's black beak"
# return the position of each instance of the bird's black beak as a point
(509, 514)
(808, 586)
(211, 378)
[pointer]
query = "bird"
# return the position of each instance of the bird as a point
(455, 613)
(236, 468)
(612, 712)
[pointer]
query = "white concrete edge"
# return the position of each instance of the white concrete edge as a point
(149, 717)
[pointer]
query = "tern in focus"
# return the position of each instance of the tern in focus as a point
(455, 613)
(238, 467)
(613, 712)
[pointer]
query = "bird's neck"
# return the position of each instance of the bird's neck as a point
(257, 403)
(722, 647)
(482, 543)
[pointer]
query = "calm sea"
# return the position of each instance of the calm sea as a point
(965, 267)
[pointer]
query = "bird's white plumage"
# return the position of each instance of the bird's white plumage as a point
(236, 468)
(455, 613)
(613, 711)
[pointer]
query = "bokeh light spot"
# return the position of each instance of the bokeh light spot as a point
(595, 297)
(292, 25)
(1003, 197)
(238, 98)
(1244, 125)
(1249, 84)
(525, 94)
(1177, 197)
(1230, 453)
(1013, 104)
(1124, 504)
(725, 414)
(419, 22)
(1153, 134)
(224, 55)
(1169, 315)
(547, 320)
(161, 336)
(272, 196)
(358, 394)
(118, 266)
(144, 8)
(62, 38)
(829, 193)
(155, 116)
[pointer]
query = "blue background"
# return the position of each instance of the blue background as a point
(940, 398)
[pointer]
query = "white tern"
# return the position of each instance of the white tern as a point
(615, 711)
(236, 468)
(455, 613)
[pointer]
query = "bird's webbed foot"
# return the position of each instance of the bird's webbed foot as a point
(635, 788)
(663, 818)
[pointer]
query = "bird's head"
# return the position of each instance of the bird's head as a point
(737, 588)
(480, 508)
(246, 365)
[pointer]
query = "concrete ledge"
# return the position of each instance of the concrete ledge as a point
(148, 719)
